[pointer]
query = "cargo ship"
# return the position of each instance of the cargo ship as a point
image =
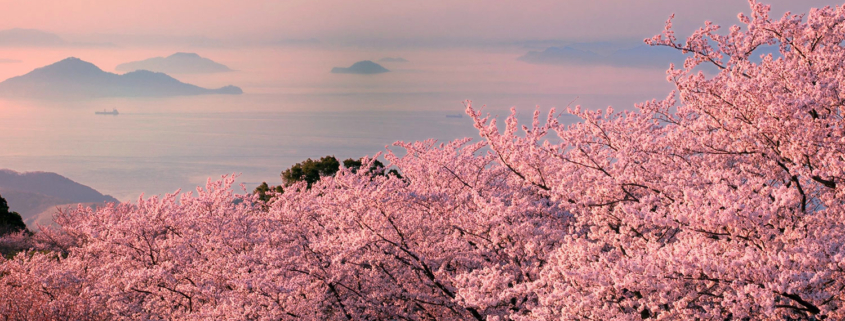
(104, 112)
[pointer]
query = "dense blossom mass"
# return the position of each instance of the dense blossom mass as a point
(722, 202)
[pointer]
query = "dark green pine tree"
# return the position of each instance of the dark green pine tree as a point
(264, 189)
(10, 222)
(376, 168)
(310, 170)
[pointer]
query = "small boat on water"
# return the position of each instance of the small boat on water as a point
(104, 112)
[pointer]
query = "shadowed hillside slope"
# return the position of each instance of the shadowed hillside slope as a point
(36, 195)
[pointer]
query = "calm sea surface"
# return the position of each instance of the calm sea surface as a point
(161, 145)
(292, 109)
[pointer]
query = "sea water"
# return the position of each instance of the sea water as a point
(292, 109)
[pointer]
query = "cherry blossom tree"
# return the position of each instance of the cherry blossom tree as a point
(723, 201)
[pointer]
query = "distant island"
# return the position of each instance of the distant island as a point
(641, 56)
(19, 37)
(74, 78)
(36, 195)
(391, 59)
(178, 63)
(561, 55)
(365, 67)
(29, 38)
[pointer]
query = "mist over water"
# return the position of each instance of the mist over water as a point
(293, 108)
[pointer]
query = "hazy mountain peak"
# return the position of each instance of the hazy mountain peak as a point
(75, 78)
(184, 55)
(177, 63)
(362, 68)
(51, 184)
(35, 193)
(70, 65)
(148, 74)
(29, 37)
(230, 90)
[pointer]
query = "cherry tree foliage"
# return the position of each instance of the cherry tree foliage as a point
(722, 201)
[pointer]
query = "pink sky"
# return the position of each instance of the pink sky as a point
(382, 19)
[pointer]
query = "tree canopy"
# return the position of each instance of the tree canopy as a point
(310, 171)
(265, 191)
(10, 222)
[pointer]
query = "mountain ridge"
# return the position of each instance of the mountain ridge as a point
(177, 63)
(36, 195)
(75, 78)
(29, 38)
(364, 67)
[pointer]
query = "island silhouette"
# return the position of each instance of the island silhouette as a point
(365, 67)
(29, 38)
(75, 78)
(178, 63)
(37, 195)
(20, 37)
(392, 59)
(638, 56)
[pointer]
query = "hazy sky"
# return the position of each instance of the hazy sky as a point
(376, 22)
